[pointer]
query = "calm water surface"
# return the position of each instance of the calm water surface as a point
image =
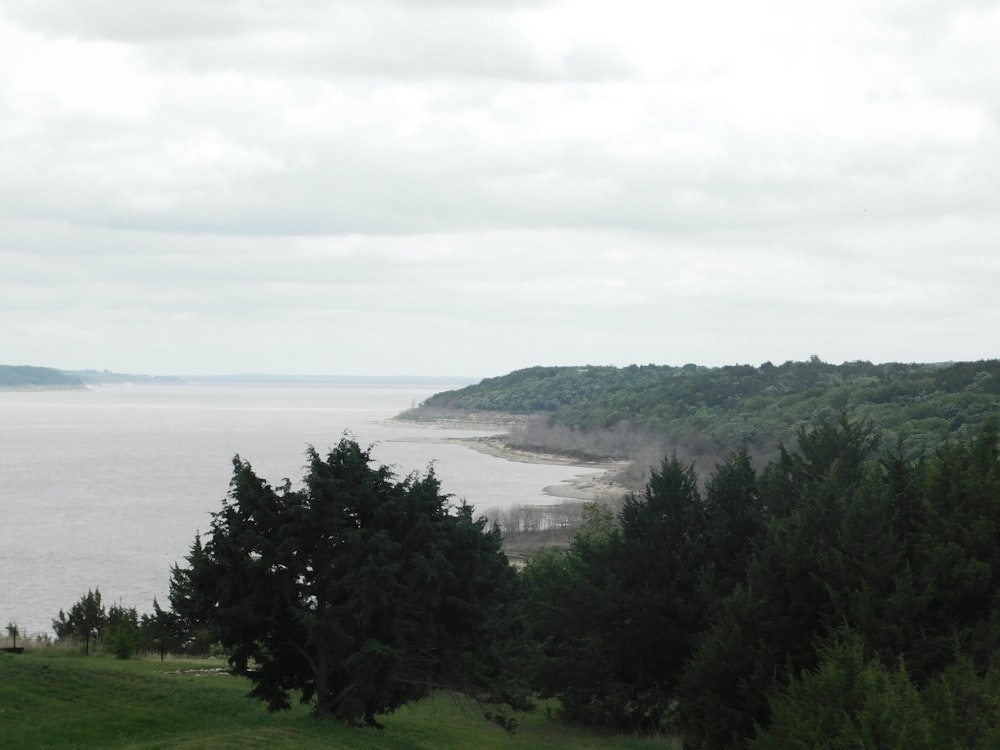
(107, 487)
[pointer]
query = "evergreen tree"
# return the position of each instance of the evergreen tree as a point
(902, 553)
(86, 619)
(122, 634)
(570, 601)
(734, 523)
(805, 574)
(660, 553)
(959, 550)
(358, 592)
(161, 631)
(194, 632)
(849, 701)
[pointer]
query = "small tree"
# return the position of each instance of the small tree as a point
(161, 630)
(86, 619)
(848, 701)
(122, 633)
(13, 632)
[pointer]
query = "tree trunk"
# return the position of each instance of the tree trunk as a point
(325, 703)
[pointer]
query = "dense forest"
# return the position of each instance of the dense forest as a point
(703, 413)
(845, 596)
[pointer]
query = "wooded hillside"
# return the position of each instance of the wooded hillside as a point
(26, 376)
(708, 411)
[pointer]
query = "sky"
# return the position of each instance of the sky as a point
(468, 187)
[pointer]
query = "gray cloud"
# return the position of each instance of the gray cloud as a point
(480, 186)
(405, 39)
(124, 21)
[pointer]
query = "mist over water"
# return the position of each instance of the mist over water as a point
(107, 487)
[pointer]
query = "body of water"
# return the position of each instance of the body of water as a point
(107, 487)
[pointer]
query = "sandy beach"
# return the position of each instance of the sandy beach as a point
(595, 482)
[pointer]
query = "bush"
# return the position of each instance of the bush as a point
(848, 703)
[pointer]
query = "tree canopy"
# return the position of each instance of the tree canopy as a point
(711, 411)
(356, 591)
(86, 619)
(842, 583)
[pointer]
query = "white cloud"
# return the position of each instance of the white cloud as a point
(539, 182)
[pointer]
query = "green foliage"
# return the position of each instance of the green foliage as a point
(358, 592)
(86, 620)
(570, 601)
(725, 685)
(895, 550)
(660, 552)
(848, 702)
(734, 521)
(960, 550)
(703, 605)
(831, 554)
(616, 616)
(119, 628)
(963, 707)
(713, 411)
(184, 626)
(24, 376)
(122, 633)
(852, 701)
(162, 631)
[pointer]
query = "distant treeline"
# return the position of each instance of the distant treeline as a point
(49, 378)
(25, 376)
(705, 412)
(106, 377)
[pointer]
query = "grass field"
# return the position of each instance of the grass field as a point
(53, 699)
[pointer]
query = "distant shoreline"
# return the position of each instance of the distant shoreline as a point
(38, 388)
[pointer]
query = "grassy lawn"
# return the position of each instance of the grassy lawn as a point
(54, 699)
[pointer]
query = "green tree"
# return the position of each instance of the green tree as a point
(192, 632)
(86, 619)
(904, 553)
(616, 616)
(853, 700)
(161, 631)
(848, 702)
(963, 706)
(960, 548)
(734, 521)
(358, 592)
(122, 634)
(571, 604)
(660, 554)
(827, 552)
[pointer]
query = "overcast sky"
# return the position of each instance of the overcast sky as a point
(468, 187)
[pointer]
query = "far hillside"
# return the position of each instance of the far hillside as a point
(27, 377)
(106, 377)
(703, 413)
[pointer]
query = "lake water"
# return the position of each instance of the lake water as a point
(107, 487)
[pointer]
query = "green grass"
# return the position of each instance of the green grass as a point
(50, 699)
